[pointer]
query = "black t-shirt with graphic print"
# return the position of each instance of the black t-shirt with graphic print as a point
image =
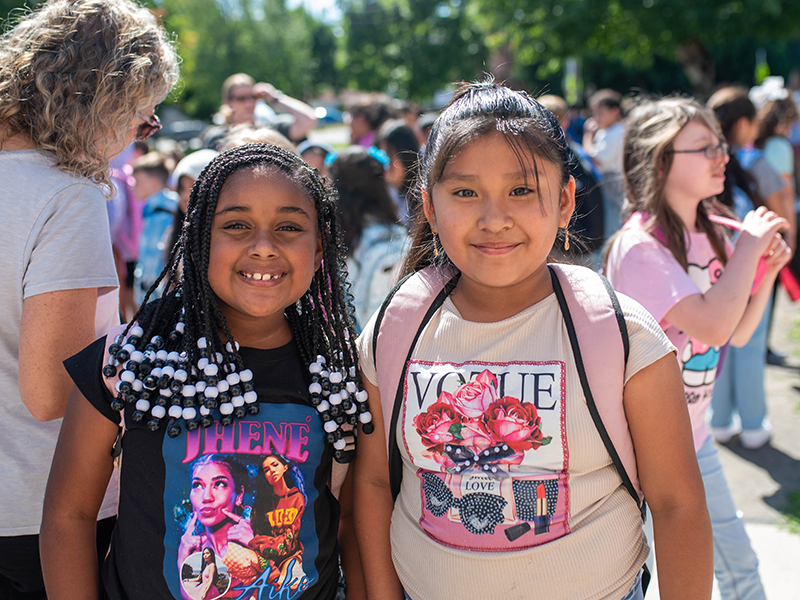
(173, 492)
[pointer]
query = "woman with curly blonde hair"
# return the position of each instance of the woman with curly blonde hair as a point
(79, 79)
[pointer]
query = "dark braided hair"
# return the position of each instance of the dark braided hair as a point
(321, 320)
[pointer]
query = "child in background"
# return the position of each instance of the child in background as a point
(603, 137)
(739, 405)
(398, 140)
(495, 196)
(315, 155)
(374, 241)
(234, 361)
(158, 218)
(183, 177)
(671, 257)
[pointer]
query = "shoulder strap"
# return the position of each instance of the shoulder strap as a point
(596, 325)
(400, 321)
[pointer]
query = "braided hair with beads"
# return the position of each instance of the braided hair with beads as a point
(178, 358)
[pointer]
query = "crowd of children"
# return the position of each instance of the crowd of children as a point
(371, 371)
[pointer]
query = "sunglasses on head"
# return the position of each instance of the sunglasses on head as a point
(147, 127)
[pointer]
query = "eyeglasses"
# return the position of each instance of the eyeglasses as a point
(243, 98)
(710, 152)
(148, 127)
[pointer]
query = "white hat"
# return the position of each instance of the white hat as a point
(193, 164)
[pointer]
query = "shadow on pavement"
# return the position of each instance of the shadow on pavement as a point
(782, 468)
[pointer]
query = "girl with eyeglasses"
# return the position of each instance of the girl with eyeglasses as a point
(675, 259)
(79, 79)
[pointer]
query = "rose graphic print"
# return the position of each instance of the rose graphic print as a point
(473, 427)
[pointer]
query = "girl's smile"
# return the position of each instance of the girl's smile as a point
(263, 254)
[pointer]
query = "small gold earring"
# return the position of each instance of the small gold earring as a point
(566, 240)
(435, 246)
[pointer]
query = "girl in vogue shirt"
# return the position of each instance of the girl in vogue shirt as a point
(507, 489)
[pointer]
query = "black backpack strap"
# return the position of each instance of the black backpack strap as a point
(576, 352)
(623, 326)
(395, 460)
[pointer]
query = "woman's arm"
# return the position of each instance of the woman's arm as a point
(373, 506)
(53, 327)
(348, 546)
(81, 468)
(655, 407)
(304, 117)
(713, 316)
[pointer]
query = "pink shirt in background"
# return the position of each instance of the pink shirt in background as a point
(644, 269)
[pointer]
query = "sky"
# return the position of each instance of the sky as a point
(325, 10)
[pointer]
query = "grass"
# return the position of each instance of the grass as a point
(791, 512)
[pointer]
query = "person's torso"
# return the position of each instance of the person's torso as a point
(32, 206)
(507, 486)
(156, 512)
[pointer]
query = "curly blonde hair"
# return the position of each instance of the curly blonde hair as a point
(75, 73)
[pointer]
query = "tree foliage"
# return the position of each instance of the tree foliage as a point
(411, 48)
(636, 33)
(264, 39)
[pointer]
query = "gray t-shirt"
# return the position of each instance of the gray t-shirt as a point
(767, 179)
(55, 237)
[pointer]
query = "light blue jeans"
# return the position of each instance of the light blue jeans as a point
(735, 563)
(739, 386)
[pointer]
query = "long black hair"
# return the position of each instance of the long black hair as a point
(321, 320)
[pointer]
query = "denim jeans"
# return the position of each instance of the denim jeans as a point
(735, 563)
(739, 386)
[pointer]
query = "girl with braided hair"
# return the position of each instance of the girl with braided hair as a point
(248, 353)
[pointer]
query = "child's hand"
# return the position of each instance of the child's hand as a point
(778, 254)
(759, 228)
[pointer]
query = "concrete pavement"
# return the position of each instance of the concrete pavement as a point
(765, 481)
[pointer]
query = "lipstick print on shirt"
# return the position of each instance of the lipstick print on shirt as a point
(490, 446)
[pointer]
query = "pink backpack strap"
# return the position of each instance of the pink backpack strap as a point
(599, 338)
(397, 327)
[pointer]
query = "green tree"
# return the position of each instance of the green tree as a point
(217, 38)
(6, 6)
(410, 48)
(635, 33)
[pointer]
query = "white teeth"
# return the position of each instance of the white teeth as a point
(262, 276)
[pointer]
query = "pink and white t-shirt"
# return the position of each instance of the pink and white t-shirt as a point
(644, 269)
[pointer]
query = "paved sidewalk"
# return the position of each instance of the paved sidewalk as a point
(761, 480)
